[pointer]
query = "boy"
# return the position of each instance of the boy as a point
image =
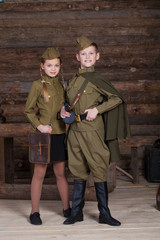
(101, 118)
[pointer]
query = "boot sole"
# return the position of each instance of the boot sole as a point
(107, 222)
(72, 222)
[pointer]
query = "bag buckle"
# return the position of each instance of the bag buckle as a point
(77, 117)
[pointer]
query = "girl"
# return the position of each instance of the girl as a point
(47, 94)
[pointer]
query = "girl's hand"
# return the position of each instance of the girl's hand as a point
(92, 114)
(44, 128)
(64, 113)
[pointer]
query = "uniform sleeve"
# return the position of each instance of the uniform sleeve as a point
(111, 102)
(31, 104)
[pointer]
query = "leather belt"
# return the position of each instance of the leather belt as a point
(80, 117)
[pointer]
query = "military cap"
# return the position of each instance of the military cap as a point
(83, 42)
(51, 53)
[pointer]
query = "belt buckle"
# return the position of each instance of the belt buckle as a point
(58, 116)
(77, 117)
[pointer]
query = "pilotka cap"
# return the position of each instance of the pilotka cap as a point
(51, 53)
(83, 42)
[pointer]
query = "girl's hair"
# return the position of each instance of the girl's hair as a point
(45, 91)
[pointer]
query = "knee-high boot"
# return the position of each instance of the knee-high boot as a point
(77, 202)
(102, 198)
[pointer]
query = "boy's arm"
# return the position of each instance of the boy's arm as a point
(111, 102)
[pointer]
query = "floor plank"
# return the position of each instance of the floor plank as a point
(133, 205)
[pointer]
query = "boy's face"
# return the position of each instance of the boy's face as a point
(51, 67)
(88, 57)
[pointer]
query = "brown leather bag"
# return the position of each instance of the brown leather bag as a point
(39, 147)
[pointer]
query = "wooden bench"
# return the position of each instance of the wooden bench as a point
(7, 133)
(135, 143)
(10, 130)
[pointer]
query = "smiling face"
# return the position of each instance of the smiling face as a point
(88, 57)
(51, 67)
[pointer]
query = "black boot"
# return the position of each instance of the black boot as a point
(102, 198)
(77, 202)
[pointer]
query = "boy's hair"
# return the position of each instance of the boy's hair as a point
(95, 45)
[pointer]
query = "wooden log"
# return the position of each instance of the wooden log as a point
(14, 130)
(137, 141)
(14, 109)
(49, 192)
(138, 132)
(37, 39)
(137, 109)
(52, 5)
(16, 56)
(137, 86)
(88, 19)
(22, 130)
(113, 74)
(142, 109)
(17, 119)
(133, 119)
(129, 97)
(66, 21)
(145, 130)
(151, 97)
(150, 90)
(133, 64)
(13, 98)
(145, 119)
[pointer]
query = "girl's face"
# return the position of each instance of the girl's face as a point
(88, 57)
(51, 67)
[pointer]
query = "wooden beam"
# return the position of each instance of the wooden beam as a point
(137, 131)
(49, 192)
(52, 5)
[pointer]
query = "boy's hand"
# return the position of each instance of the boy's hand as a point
(64, 113)
(44, 128)
(91, 114)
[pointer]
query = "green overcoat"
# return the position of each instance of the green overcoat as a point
(116, 120)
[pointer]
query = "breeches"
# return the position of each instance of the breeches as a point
(87, 152)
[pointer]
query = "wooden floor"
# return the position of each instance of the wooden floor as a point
(133, 205)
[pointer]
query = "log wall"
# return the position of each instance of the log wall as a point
(128, 35)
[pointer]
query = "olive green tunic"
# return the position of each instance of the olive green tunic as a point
(87, 150)
(47, 110)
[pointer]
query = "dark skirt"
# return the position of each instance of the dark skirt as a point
(58, 149)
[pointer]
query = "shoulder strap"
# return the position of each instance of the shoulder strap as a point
(79, 94)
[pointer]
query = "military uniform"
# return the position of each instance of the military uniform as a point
(86, 147)
(47, 111)
(87, 150)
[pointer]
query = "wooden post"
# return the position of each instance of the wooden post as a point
(2, 162)
(158, 198)
(134, 164)
(9, 160)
